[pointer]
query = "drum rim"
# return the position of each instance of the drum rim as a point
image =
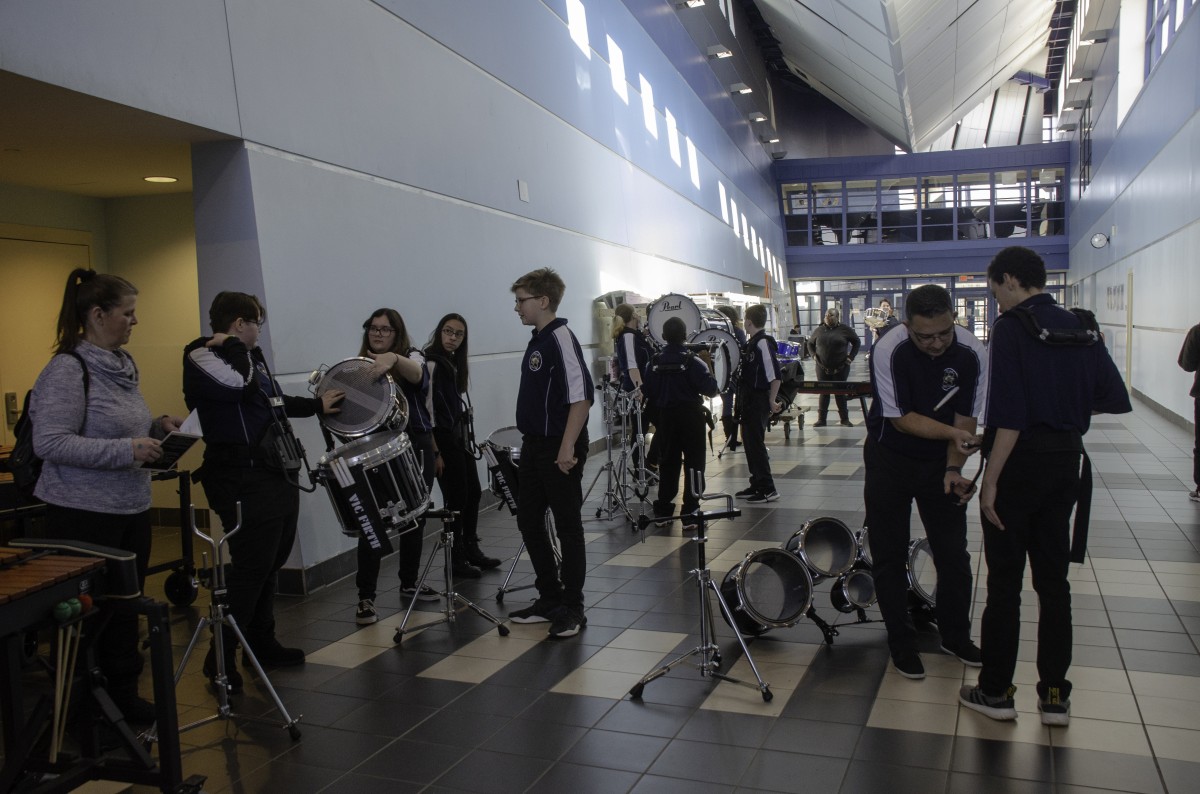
(381, 423)
(655, 332)
(863, 553)
(351, 453)
(799, 534)
(749, 610)
(919, 543)
(840, 587)
(495, 445)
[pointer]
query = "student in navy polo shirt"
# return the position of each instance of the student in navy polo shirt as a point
(552, 411)
(678, 381)
(927, 388)
(757, 398)
(1040, 401)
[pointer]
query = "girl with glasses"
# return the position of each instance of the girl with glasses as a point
(457, 474)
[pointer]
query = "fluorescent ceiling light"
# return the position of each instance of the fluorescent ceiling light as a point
(756, 116)
(718, 51)
(740, 88)
(689, 3)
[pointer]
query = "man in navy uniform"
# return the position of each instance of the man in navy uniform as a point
(552, 410)
(677, 382)
(758, 397)
(928, 386)
(1041, 398)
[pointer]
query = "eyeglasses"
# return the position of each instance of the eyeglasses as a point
(450, 332)
(519, 301)
(381, 330)
(940, 336)
(259, 323)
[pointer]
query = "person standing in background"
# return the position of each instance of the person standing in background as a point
(1189, 360)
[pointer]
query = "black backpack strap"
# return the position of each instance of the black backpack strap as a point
(1087, 334)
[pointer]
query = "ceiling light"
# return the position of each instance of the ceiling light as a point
(163, 179)
(769, 138)
(740, 88)
(718, 51)
(688, 3)
(756, 116)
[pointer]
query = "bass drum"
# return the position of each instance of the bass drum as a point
(825, 545)
(726, 353)
(668, 306)
(768, 589)
(371, 404)
(922, 575)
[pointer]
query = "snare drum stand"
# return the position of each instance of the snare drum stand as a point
(218, 618)
(455, 601)
(707, 650)
(548, 523)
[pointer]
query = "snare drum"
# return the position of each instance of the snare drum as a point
(853, 590)
(825, 545)
(374, 477)
(726, 355)
(668, 306)
(371, 404)
(922, 575)
(502, 450)
(768, 589)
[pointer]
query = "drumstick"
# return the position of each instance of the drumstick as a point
(58, 691)
(946, 399)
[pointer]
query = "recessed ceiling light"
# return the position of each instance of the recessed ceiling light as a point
(160, 179)
(740, 88)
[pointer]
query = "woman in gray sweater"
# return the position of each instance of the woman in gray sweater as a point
(93, 431)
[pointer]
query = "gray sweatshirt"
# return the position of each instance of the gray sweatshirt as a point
(88, 452)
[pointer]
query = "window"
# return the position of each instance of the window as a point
(827, 222)
(1010, 215)
(973, 197)
(900, 205)
(795, 212)
(862, 211)
(1048, 208)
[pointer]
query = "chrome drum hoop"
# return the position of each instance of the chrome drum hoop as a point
(922, 574)
(385, 472)
(668, 306)
(863, 539)
(825, 545)
(371, 404)
(853, 590)
(768, 589)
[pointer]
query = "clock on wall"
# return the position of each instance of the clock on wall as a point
(1099, 240)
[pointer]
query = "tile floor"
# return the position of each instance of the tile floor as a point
(459, 708)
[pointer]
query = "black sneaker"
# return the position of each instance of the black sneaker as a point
(463, 569)
(1055, 709)
(746, 493)
(233, 679)
(819, 423)
(846, 423)
(760, 498)
(427, 593)
(998, 707)
(567, 621)
(1194, 495)
(540, 611)
(909, 665)
(967, 653)
(271, 654)
(476, 557)
(365, 615)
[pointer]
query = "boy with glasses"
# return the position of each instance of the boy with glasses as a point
(552, 409)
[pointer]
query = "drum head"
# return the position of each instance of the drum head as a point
(825, 545)
(668, 306)
(922, 576)
(726, 357)
(773, 589)
(369, 450)
(508, 438)
(370, 403)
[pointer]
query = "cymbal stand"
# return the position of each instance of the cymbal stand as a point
(633, 461)
(548, 523)
(707, 650)
(217, 619)
(609, 503)
(455, 602)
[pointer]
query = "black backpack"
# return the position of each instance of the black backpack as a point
(24, 464)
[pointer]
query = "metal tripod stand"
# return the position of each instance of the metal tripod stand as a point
(455, 602)
(218, 618)
(609, 504)
(548, 523)
(707, 650)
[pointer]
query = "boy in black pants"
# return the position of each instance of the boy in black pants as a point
(757, 396)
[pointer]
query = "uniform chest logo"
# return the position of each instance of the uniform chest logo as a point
(535, 361)
(949, 378)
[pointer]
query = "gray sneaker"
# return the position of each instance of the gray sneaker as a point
(1000, 707)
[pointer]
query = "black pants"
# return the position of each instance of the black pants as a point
(460, 485)
(893, 483)
(117, 645)
(544, 486)
(270, 511)
(1196, 444)
(756, 416)
(1034, 498)
(409, 542)
(681, 428)
(842, 400)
